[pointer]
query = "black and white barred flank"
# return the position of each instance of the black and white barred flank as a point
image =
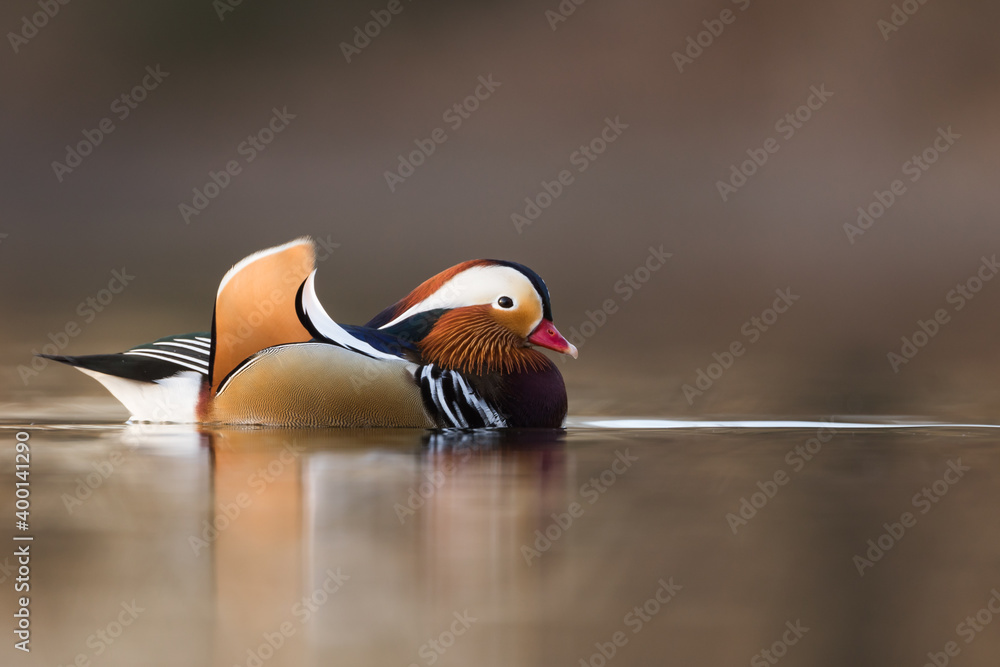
(452, 402)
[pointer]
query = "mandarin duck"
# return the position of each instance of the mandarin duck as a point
(456, 352)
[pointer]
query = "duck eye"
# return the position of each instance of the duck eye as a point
(505, 302)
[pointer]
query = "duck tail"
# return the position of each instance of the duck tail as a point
(157, 382)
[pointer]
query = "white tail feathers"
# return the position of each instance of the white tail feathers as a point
(171, 399)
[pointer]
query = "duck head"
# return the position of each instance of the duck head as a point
(481, 316)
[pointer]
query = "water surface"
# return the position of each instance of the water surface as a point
(400, 547)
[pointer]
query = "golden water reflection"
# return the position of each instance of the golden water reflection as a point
(285, 547)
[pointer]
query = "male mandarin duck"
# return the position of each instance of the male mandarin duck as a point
(454, 353)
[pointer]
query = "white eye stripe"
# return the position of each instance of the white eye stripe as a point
(476, 286)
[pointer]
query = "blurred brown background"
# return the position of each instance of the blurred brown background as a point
(656, 184)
